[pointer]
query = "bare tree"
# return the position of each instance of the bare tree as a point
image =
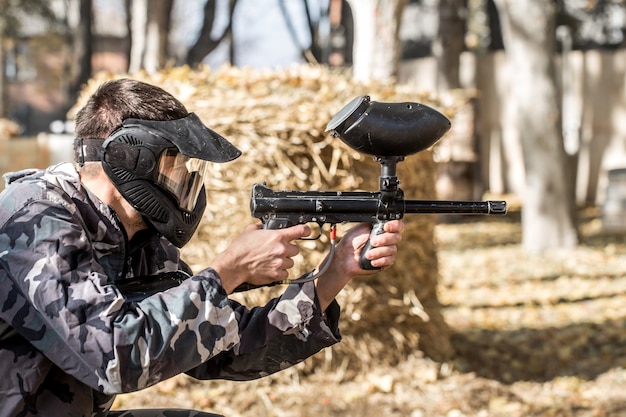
(342, 33)
(12, 15)
(314, 51)
(449, 43)
(456, 155)
(204, 45)
(81, 41)
(3, 89)
(149, 28)
(376, 38)
(137, 20)
(529, 32)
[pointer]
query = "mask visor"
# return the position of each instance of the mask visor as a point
(182, 176)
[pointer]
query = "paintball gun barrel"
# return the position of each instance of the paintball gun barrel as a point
(389, 132)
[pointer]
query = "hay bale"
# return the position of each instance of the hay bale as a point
(23, 153)
(278, 119)
(9, 129)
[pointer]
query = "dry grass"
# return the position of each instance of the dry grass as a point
(536, 336)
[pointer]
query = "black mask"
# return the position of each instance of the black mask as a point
(159, 168)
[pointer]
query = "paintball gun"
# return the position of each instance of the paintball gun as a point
(389, 132)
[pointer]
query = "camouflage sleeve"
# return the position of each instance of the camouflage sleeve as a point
(55, 295)
(276, 336)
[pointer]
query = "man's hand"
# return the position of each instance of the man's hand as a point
(258, 256)
(345, 263)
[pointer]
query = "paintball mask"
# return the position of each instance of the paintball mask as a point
(159, 167)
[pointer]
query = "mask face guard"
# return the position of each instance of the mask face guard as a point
(159, 168)
(157, 162)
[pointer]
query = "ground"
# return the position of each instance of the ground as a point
(535, 334)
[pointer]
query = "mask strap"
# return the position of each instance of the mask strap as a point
(88, 150)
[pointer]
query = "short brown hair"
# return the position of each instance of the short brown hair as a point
(117, 100)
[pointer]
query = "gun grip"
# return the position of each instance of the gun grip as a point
(377, 229)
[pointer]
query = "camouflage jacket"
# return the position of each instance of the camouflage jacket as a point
(70, 341)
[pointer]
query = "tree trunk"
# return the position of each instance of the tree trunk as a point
(128, 8)
(3, 79)
(157, 34)
(456, 154)
(376, 38)
(449, 44)
(138, 23)
(82, 42)
(204, 45)
(548, 216)
(150, 26)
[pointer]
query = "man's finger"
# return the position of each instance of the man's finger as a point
(296, 232)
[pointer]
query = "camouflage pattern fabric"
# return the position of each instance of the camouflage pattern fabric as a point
(70, 341)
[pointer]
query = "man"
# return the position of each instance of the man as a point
(70, 339)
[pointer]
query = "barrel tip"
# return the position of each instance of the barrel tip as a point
(498, 207)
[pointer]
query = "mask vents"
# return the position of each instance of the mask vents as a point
(189, 218)
(123, 174)
(140, 196)
(131, 140)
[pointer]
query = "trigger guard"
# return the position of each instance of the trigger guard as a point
(319, 232)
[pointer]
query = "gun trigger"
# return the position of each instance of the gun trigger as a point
(319, 232)
(276, 223)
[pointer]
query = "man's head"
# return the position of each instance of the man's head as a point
(152, 150)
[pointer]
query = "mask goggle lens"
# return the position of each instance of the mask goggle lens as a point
(182, 176)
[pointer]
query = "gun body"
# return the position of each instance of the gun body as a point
(280, 209)
(389, 132)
